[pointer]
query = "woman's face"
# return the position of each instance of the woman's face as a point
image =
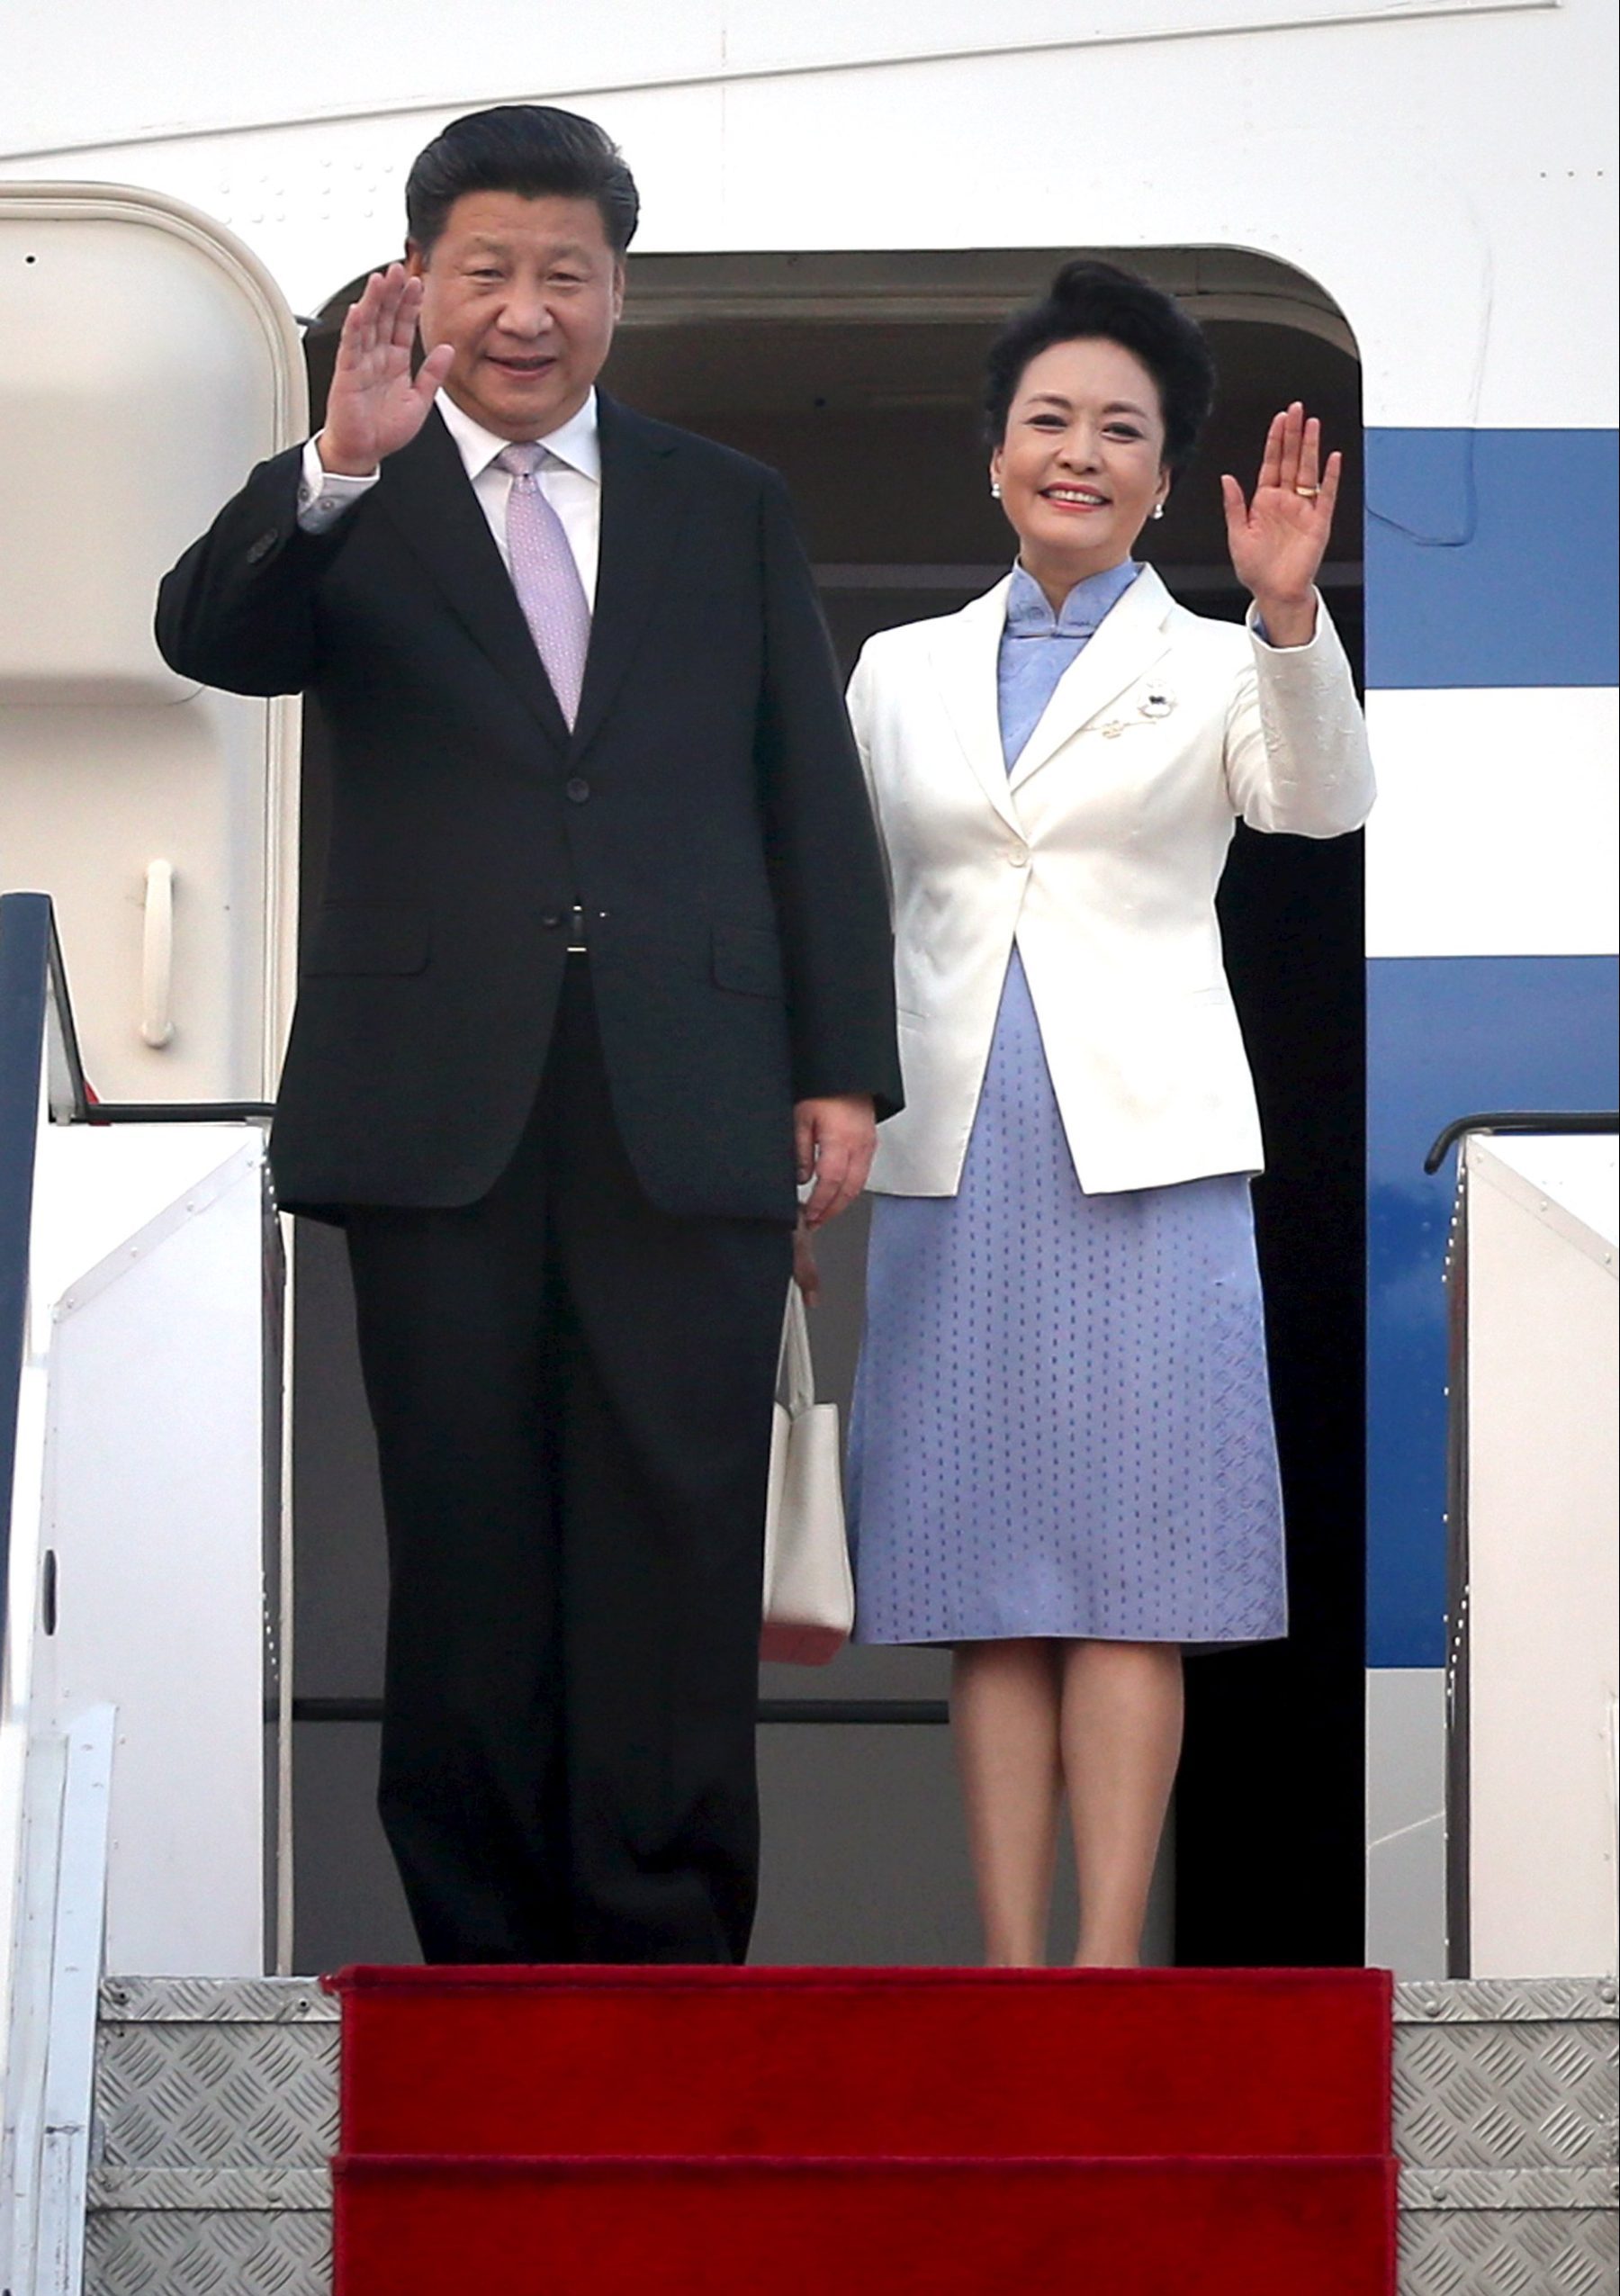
(1082, 464)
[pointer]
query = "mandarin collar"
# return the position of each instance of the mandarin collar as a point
(1028, 614)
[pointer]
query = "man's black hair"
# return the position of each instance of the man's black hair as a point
(532, 149)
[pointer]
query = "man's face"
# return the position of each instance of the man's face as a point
(527, 293)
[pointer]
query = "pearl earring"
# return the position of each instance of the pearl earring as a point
(1158, 509)
(995, 489)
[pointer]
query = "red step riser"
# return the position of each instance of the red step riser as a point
(879, 2228)
(925, 2064)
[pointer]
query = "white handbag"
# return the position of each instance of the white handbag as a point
(809, 1591)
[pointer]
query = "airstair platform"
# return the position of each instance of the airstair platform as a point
(216, 2116)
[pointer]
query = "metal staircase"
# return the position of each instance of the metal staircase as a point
(216, 2110)
(197, 2115)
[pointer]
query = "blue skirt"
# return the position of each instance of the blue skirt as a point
(1062, 1423)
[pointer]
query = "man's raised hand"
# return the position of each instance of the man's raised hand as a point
(376, 405)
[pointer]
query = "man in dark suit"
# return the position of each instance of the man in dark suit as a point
(603, 967)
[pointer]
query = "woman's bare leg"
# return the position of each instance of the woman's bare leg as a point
(1120, 1735)
(1005, 1700)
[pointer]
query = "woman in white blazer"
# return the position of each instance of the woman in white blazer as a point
(1062, 1457)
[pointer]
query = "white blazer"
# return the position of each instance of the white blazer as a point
(1099, 856)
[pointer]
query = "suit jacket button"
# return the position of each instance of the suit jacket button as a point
(551, 920)
(261, 548)
(577, 791)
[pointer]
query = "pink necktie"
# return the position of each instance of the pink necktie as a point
(546, 577)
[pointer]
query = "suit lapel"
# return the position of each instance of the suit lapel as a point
(1126, 642)
(640, 505)
(966, 650)
(426, 492)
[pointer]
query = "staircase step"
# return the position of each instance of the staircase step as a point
(215, 2119)
(207, 2174)
(800, 2228)
(918, 2063)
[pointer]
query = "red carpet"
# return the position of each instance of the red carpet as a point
(677, 2132)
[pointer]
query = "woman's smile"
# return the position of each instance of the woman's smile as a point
(1074, 498)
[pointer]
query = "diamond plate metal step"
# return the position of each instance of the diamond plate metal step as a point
(1506, 2098)
(216, 2110)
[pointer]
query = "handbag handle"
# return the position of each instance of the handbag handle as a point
(795, 1368)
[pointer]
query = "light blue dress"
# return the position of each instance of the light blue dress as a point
(1062, 1423)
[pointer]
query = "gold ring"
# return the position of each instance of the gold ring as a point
(1308, 491)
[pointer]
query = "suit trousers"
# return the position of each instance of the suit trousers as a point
(571, 1392)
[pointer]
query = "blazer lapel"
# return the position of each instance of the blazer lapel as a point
(640, 506)
(966, 651)
(424, 489)
(1127, 641)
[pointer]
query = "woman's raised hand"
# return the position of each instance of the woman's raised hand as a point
(1279, 538)
(376, 405)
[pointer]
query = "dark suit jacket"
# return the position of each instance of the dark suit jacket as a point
(707, 812)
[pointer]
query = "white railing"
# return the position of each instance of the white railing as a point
(54, 1784)
(140, 1522)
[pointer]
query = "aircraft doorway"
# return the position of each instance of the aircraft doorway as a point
(857, 377)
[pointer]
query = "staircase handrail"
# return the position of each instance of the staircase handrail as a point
(37, 1040)
(1520, 1120)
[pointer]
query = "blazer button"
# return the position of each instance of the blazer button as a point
(551, 920)
(1019, 856)
(577, 791)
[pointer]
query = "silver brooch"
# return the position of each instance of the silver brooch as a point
(1155, 703)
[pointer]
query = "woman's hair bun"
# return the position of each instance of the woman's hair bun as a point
(1075, 284)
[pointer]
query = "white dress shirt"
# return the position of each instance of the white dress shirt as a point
(571, 479)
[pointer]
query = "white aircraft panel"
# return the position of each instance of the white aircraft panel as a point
(146, 362)
(1497, 828)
